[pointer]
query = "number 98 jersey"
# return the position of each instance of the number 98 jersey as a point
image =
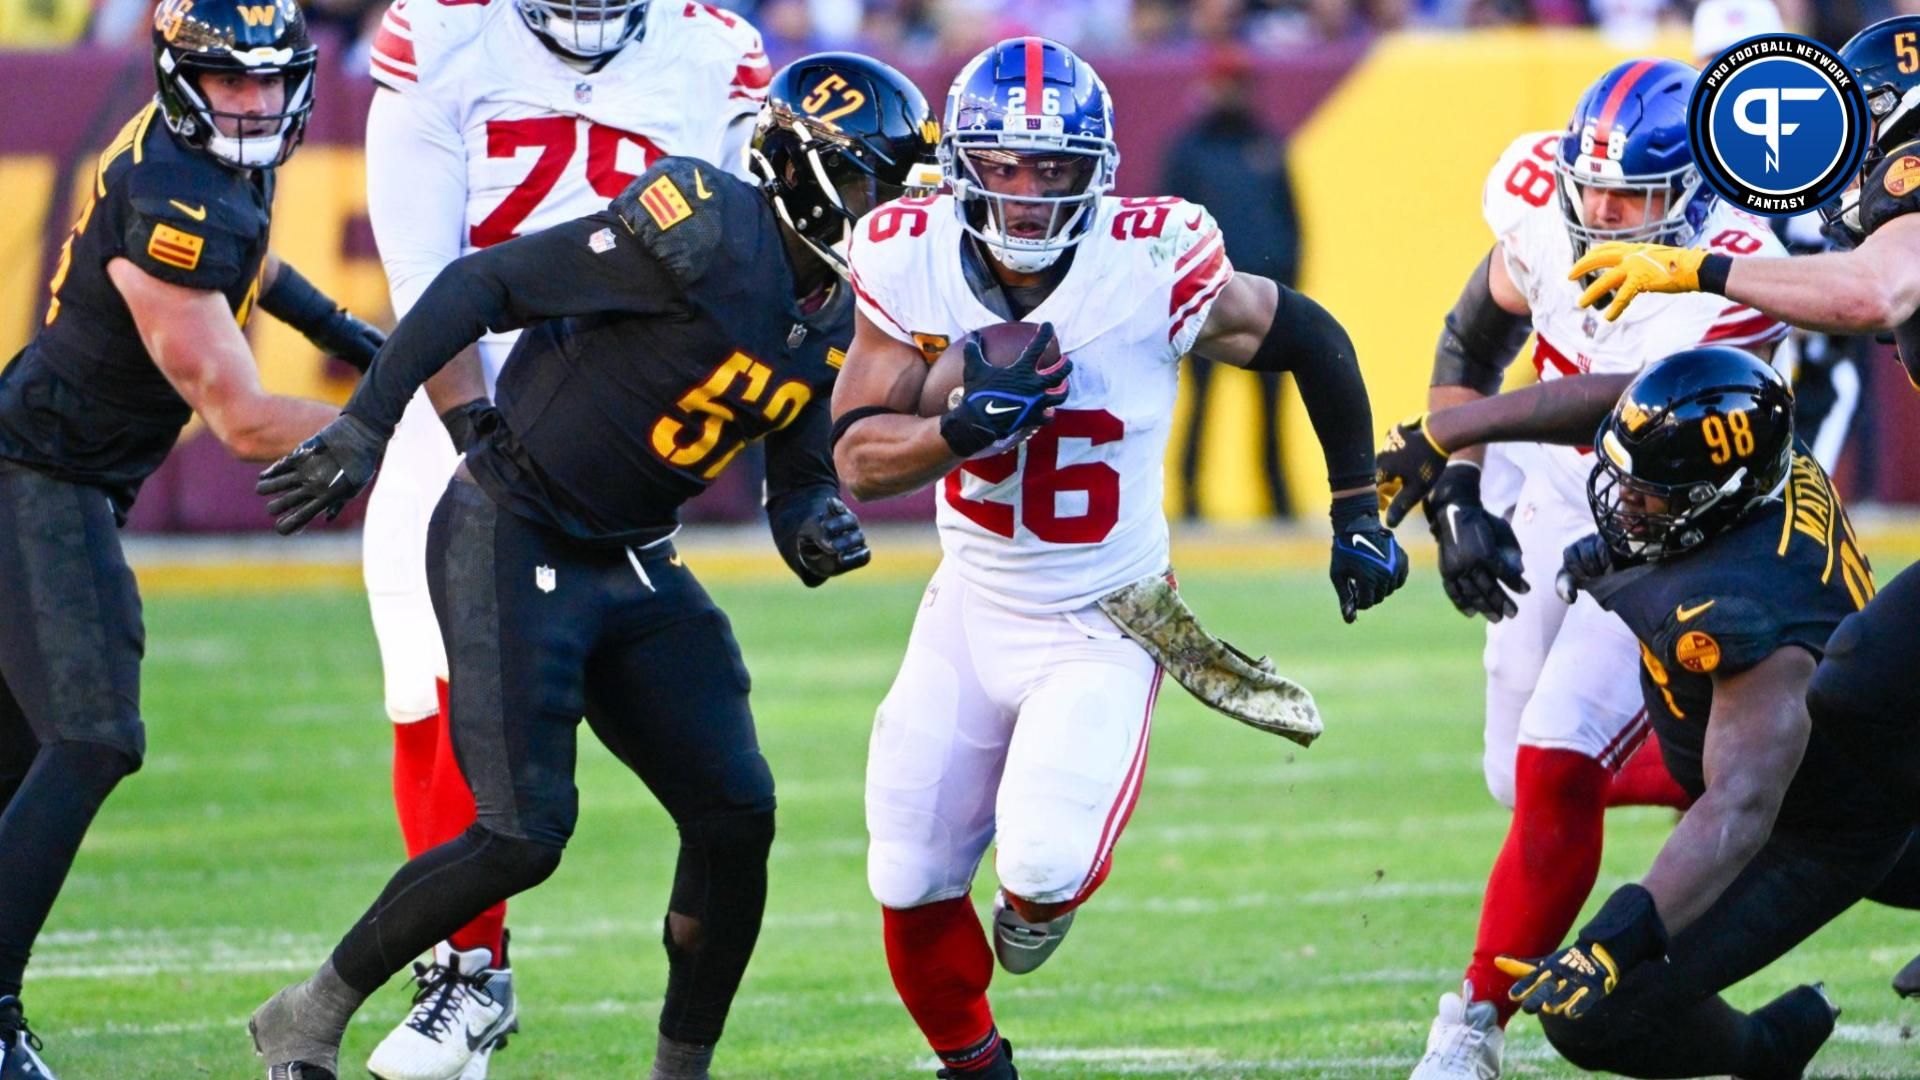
(1075, 511)
(1522, 207)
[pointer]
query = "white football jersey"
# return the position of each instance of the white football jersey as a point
(1522, 207)
(1074, 512)
(542, 142)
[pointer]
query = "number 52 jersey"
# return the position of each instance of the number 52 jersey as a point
(1075, 511)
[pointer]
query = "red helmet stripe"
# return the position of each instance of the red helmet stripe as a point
(1603, 127)
(1034, 67)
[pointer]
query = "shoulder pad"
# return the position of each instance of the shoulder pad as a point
(1718, 634)
(678, 211)
(187, 194)
(1520, 183)
(714, 35)
(415, 35)
(1893, 190)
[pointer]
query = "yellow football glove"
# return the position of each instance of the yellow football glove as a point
(1632, 269)
(1564, 984)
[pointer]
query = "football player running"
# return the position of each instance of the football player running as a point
(695, 314)
(167, 261)
(491, 121)
(1872, 285)
(1562, 714)
(1021, 711)
(1725, 549)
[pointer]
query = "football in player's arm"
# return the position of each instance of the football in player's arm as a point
(1733, 607)
(884, 448)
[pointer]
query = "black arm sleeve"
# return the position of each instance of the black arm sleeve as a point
(579, 268)
(1308, 341)
(296, 301)
(1480, 338)
(800, 477)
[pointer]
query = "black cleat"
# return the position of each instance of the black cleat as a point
(1907, 983)
(19, 1046)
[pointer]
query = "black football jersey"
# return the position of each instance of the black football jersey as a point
(83, 401)
(1785, 575)
(1893, 190)
(662, 336)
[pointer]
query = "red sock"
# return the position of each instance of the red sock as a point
(415, 746)
(941, 966)
(1545, 869)
(1645, 781)
(451, 801)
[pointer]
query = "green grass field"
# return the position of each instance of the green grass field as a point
(1272, 912)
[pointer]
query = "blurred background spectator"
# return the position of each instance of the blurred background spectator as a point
(1230, 163)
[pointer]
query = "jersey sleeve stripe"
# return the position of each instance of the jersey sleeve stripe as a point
(1753, 327)
(384, 71)
(866, 296)
(1197, 278)
(396, 20)
(1196, 251)
(1203, 303)
(393, 48)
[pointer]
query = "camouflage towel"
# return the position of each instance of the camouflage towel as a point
(1227, 680)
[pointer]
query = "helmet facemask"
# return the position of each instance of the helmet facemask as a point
(829, 181)
(1668, 200)
(1027, 233)
(190, 112)
(586, 29)
(1643, 521)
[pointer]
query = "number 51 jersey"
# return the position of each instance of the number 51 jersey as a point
(1075, 511)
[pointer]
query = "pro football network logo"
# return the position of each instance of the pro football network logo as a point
(1778, 124)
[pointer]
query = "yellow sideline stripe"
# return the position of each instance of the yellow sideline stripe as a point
(1894, 544)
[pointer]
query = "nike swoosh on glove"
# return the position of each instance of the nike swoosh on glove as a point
(1368, 565)
(1478, 552)
(321, 475)
(1002, 406)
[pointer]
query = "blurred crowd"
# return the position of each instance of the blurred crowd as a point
(907, 29)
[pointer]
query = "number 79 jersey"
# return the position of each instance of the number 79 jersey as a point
(1075, 511)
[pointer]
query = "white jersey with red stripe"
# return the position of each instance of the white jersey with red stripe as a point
(1075, 512)
(544, 142)
(1522, 206)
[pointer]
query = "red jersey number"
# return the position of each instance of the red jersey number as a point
(1045, 478)
(555, 137)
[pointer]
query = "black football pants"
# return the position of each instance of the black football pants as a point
(71, 640)
(541, 630)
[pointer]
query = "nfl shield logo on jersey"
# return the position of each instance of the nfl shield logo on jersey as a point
(543, 578)
(583, 92)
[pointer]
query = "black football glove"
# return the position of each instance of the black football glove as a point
(1584, 562)
(1478, 551)
(467, 423)
(830, 543)
(321, 475)
(1367, 564)
(353, 340)
(1626, 932)
(1001, 407)
(1406, 468)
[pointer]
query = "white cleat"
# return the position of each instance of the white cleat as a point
(1465, 1041)
(1019, 945)
(462, 1012)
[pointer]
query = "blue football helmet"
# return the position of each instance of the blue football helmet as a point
(1026, 101)
(1629, 133)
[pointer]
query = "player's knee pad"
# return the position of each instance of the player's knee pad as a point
(1042, 867)
(904, 876)
(91, 767)
(520, 862)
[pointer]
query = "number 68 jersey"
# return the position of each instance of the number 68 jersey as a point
(1075, 511)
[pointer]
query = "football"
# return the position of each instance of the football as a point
(1001, 343)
